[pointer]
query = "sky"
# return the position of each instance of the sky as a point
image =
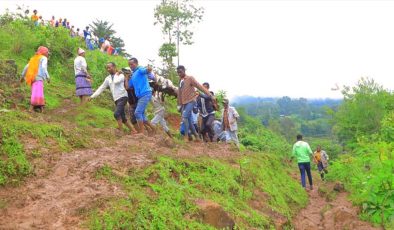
(258, 48)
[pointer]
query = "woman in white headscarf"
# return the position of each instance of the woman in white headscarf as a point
(83, 80)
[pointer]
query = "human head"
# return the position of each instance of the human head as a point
(87, 28)
(42, 50)
(78, 29)
(181, 71)
(318, 148)
(133, 63)
(126, 71)
(35, 11)
(111, 67)
(299, 137)
(81, 52)
(65, 19)
(206, 85)
(225, 102)
(53, 17)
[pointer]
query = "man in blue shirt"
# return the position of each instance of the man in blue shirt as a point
(139, 82)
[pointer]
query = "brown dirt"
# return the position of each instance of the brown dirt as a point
(213, 214)
(325, 212)
(64, 186)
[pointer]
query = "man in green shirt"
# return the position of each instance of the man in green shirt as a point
(302, 151)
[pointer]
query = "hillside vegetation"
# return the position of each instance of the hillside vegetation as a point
(253, 187)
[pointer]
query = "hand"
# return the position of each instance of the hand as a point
(49, 81)
(89, 99)
(22, 79)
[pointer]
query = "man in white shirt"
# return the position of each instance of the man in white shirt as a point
(116, 83)
(230, 117)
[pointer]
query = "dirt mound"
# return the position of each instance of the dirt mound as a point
(65, 187)
(329, 210)
(213, 214)
(58, 200)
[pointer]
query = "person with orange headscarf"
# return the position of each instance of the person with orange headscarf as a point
(35, 73)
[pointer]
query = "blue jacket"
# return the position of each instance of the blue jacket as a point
(139, 81)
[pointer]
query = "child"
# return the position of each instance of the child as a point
(159, 110)
(320, 158)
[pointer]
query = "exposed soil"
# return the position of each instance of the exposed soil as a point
(328, 209)
(64, 187)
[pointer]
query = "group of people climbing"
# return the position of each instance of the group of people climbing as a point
(131, 86)
(92, 41)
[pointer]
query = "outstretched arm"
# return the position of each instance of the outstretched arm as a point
(100, 89)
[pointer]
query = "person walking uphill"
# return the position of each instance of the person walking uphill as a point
(116, 83)
(230, 117)
(35, 73)
(207, 107)
(187, 99)
(83, 81)
(302, 151)
(320, 158)
(139, 82)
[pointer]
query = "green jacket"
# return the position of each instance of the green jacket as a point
(302, 151)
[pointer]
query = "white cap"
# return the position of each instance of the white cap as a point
(80, 51)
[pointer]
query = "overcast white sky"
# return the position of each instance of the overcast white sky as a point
(259, 48)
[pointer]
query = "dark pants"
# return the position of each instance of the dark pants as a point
(207, 126)
(119, 110)
(321, 169)
(133, 105)
(305, 166)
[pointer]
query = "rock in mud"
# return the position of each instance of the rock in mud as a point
(339, 187)
(213, 214)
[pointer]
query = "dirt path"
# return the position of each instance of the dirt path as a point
(58, 198)
(328, 209)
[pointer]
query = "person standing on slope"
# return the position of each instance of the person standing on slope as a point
(320, 158)
(187, 99)
(230, 118)
(302, 151)
(116, 83)
(35, 73)
(139, 82)
(83, 81)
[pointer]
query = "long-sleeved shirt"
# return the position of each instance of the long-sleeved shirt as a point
(302, 151)
(187, 90)
(139, 81)
(115, 84)
(42, 73)
(80, 66)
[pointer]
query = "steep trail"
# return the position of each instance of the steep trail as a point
(329, 209)
(59, 198)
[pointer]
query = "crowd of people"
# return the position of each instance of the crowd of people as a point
(92, 40)
(131, 87)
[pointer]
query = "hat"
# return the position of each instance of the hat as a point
(225, 101)
(81, 51)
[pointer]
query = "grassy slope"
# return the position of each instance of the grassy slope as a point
(213, 179)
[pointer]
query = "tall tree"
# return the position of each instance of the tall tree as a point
(102, 28)
(176, 18)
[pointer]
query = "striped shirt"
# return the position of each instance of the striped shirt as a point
(187, 90)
